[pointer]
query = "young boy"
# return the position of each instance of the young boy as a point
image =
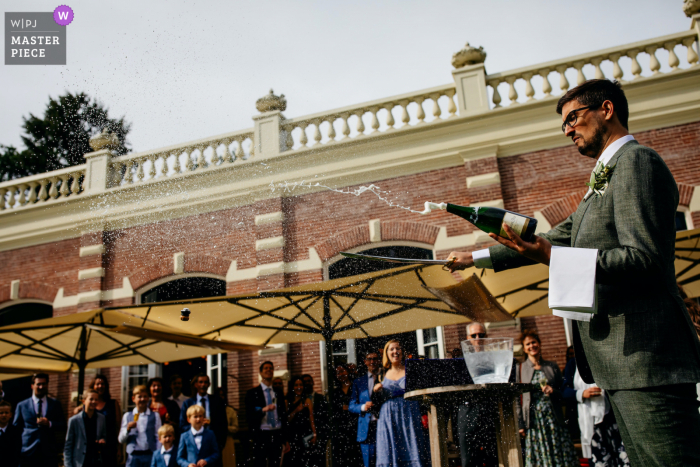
(198, 446)
(166, 455)
(86, 431)
(10, 437)
(139, 430)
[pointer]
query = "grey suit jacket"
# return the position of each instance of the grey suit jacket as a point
(642, 335)
(76, 439)
(524, 372)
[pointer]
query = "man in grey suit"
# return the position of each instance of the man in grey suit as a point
(87, 432)
(640, 345)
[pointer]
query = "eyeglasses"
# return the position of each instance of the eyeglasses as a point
(572, 117)
(478, 335)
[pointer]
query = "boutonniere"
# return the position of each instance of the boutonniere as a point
(600, 178)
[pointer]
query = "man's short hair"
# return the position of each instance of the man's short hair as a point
(475, 323)
(596, 91)
(5, 403)
(90, 391)
(174, 378)
(166, 429)
(36, 376)
(266, 363)
(195, 378)
(307, 376)
(139, 389)
(195, 410)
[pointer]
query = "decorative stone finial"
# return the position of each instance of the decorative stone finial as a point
(271, 102)
(104, 140)
(468, 56)
(691, 7)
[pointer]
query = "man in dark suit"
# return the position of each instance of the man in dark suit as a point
(10, 437)
(267, 419)
(214, 407)
(361, 403)
(639, 345)
(40, 418)
(317, 456)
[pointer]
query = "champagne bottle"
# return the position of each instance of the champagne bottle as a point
(490, 220)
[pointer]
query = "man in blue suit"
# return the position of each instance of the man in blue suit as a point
(198, 447)
(214, 409)
(361, 403)
(39, 418)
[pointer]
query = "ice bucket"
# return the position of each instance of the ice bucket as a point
(488, 360)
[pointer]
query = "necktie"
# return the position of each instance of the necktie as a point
(270, 414)
(39, 411)
(203, 403)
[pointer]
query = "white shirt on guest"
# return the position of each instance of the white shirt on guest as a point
(44, 406)
(141, 428)
(371, 381)
(265, 424)
(482, 258)
(197, 439)
(166, 454)
(208, 403)
(180, 399)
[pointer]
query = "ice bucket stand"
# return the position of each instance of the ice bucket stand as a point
(443, 399)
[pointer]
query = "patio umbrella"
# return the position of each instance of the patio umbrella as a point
(98, 339)
(688, 261)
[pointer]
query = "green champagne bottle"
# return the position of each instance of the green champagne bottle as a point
(490, 220)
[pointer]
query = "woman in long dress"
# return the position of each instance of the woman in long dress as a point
(346, 450)
(300, 424)
(547, 440)
(401, 441)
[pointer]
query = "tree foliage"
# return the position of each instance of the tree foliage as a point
(61, 137)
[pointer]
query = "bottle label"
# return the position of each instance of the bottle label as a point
(517, 223)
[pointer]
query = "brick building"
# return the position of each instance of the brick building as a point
(250, 210)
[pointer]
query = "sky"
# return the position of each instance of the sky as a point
(185, 70)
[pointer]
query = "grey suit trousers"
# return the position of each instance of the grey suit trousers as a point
(665, 419)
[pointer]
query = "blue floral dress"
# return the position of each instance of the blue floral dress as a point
(547, 443)
(401, 441)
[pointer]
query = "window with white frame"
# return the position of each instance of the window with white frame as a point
(133, 376)
(431, 342)
(216, 369)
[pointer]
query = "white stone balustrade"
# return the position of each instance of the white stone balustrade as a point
(508, 83)
(46, 187)
(370, 117)
(194, 156)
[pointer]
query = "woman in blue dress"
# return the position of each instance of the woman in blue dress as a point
(400, 438)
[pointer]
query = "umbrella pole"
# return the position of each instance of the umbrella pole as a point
(330, 369)
(82, 364)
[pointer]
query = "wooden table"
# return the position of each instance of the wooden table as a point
(444, 399)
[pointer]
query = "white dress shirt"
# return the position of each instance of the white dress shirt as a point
(371, 381)
(44, 406)
(3, 428)
(167, 454)
(199, 402)
(482, 258)
(141, 427)
(180, 399)
(197, 439)
(270, 398)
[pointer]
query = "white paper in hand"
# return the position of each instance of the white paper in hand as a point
(572, 290)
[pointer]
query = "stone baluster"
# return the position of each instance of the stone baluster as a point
(21, 199)
(360, 124)
(331, 129)
(374, 124)
(215, 158)
(405, 117)
(226, 156)
(598, 72)
(75, 183)
(496, 96)
(303, 139)
(617, 70)
(3, 191)
(512, 93)
(692, 56)
(128, 172)
(239, 153)
(636, 68)
(563, 82)
(420, 114)
(345, 128)
(189, 163)
(177, 167)
(673, 61)
(436, 106)
(654, 64)
(546, 86)
(140, 172)
(252, 146)
(580, 77)
(201, 158)
(64, 190)
(43, 194)
(317, 131)
(152, 169)
(529, 90)
(11, 197)
(389, 116)
(451, 106)
(53, 191)
(32, 192)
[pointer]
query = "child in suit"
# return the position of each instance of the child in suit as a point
(166, 455)
(139, 430)
(198, 446)
(86, 433)
(10, 437)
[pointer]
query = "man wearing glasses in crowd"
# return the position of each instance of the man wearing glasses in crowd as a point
(361, 404)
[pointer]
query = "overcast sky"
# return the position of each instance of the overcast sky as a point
(183, 70)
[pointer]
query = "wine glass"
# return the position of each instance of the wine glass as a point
(543, 382)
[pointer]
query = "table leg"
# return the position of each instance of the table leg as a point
(437, 425)
(507, 436)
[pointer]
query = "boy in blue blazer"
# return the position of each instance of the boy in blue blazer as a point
(166, 456)
(198, 446)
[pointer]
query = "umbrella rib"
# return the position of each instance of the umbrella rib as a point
(533, 286)
(384, 297)
(693, 264)
(393, 312)
(304, 310)
(58, 352)
(349, 317)
(352, 305)
(266, 313)
(516, 312)
(690, 279)
(417, 271)
(127, 346)
(145, 318)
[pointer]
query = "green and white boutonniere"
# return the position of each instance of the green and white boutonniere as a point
(600, 178)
